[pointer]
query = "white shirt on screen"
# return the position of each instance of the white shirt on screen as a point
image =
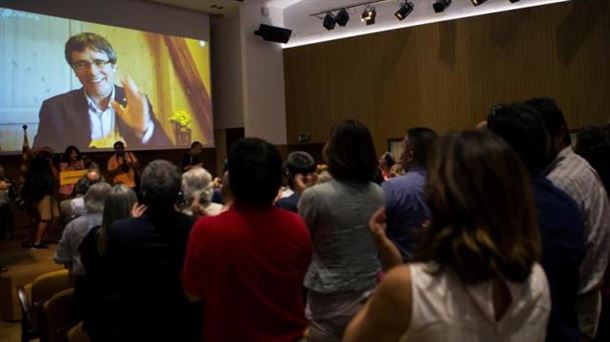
(103, 122)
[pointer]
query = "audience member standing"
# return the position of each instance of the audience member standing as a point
(122, 166)
(247, 264)
(406, 207)
(67, 252)
(345, 262)
(385, 164)
(559, 220)
(74, 233)
(146, 255)
(573, 174)
(299, 170)
(101, 298)
(475, 275)
(593, 144)
(39, 191)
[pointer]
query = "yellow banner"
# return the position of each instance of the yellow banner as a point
(70, 177)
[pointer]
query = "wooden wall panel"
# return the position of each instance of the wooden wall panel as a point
(447, 75)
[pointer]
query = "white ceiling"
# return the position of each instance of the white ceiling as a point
(206, 6)
(307, 29)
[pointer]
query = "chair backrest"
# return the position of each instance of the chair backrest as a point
(29, 326)
(48, 284)
(43, 288)
(60, 315)
(78, 334)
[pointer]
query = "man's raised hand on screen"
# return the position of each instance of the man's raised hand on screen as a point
(136, 114)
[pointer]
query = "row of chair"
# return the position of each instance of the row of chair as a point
(47, 306)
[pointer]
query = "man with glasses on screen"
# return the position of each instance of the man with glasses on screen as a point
(101, 112)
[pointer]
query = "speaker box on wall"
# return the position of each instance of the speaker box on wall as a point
(273, 33)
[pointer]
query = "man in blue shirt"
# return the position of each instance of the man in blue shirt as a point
(559, 219)
(406, 208)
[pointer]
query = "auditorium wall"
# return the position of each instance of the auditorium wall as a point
(447, 75)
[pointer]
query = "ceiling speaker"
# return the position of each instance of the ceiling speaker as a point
(273, 33)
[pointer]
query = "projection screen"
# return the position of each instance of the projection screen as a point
(86, 84)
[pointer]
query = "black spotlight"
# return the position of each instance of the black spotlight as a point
(478, 2)
(441, 5)
(329, 21)
(368, 16)
(342, 17)
(405, 9)
(513, 1)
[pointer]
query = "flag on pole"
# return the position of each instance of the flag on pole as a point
(25, 157)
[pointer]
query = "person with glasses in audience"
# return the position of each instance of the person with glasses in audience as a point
(100, 112)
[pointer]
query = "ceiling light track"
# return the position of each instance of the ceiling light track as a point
(361, 4)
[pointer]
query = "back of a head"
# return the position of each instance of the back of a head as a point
(388, 160)
(160, 185)
(255, 171)
(118, 205)
(551, 114)
(40, 180)
(96, 196)
(82, 186)
(350, 152)
(593, 144)
(421, 142)
(197, 183)
(483, 223)
(298, 162)
(523, 128)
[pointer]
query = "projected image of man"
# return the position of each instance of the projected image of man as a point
(99, 113)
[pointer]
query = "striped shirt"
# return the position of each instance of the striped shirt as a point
(574, 175)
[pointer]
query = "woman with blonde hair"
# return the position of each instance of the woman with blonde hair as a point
(475, 275)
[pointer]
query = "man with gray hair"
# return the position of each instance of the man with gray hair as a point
(74, 207)
(67, 250)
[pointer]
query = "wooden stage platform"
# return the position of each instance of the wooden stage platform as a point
(24, 264)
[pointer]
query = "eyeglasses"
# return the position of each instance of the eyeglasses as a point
(84, 65)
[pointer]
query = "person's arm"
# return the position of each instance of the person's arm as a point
(62, 253)
(308, 209)
(387, 315)
(114, 168)
(388, 252)
(132, 161)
